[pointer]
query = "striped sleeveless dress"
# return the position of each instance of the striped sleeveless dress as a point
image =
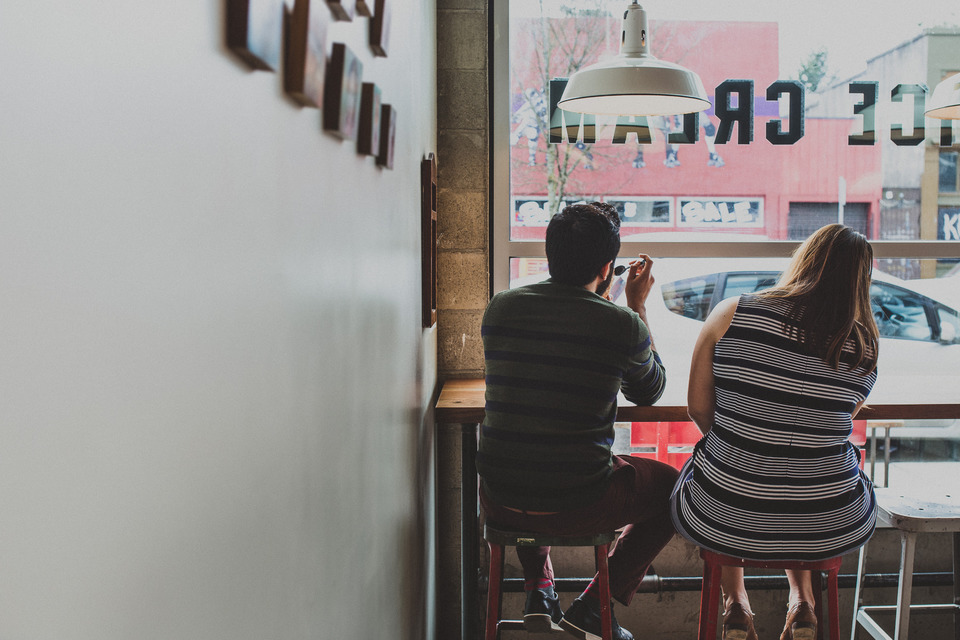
(776, 477)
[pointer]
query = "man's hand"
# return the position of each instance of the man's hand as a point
(639, 283)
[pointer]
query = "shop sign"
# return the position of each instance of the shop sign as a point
(949, 223)
(643, 211)
(733, 213)
(531, 211)
(735, 106)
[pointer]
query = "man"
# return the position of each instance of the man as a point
(557, 353)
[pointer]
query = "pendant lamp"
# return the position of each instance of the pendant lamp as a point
(945, 101)
(634, 83)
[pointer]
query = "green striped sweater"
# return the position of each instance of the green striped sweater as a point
(556, 357)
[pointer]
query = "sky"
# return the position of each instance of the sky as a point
(851, 32)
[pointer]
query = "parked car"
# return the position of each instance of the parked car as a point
(917, 333)
(919, 336)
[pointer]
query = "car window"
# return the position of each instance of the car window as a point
(739, 283)
(690, 297)
(949, 325)
(899, 313)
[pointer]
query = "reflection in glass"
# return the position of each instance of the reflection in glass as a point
(948, 171)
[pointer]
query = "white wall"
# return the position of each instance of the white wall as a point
(210, 403)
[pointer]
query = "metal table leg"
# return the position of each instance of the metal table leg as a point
(956, 583)
(469, 539)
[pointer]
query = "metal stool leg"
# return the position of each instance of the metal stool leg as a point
(603, 579)
(908, 545)
(709, 601)
(816, 581)
(833, 595)
(494, 592)
(858, 590)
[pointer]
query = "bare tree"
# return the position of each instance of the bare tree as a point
(814, 70)
(558, 46)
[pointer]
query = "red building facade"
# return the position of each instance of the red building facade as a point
(732, 179)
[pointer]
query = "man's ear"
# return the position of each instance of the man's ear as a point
(606, 270)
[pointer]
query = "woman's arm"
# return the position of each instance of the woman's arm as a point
(701, 395)
(856, 409)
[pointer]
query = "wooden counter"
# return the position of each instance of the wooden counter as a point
(462, 401)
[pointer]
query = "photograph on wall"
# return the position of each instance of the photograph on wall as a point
(255, 32)
(365, 8)
(368, 136)
(380, 28)
(341, 96)
(343, 9)
(388, 134)
(306, 60)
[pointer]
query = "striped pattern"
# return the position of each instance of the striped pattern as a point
(556, 357)
(776, 477)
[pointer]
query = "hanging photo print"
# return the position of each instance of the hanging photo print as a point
(306, 61)
(341, 98)
(380, 28)
(388, 134)
(255, 32)
(343, 9)
(368, 138)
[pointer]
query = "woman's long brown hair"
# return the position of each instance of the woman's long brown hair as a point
(828, 279)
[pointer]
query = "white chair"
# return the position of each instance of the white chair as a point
(934, 513)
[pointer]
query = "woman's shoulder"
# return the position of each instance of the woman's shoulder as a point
(721, 317)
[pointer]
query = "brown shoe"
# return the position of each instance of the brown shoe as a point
(801, 622)
(738, 623)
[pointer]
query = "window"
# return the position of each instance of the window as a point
(713, 200)
(949, 325)
(900, 313)
(691, 297)
(949, 182)
(737, 284)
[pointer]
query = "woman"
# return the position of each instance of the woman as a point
(775, 382)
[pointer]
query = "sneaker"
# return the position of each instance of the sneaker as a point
(715, 161)
(582, 619)
(542, 612)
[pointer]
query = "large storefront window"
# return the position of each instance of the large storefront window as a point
(719, 199)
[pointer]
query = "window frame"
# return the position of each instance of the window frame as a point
(956, 173)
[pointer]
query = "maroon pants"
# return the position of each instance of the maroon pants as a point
(638, 500)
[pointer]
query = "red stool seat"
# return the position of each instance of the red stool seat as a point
(497, 539)
(710, 591)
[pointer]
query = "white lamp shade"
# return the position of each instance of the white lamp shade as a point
(634, 83)
(945, 101)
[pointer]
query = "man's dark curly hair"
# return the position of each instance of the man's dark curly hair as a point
(581, 240)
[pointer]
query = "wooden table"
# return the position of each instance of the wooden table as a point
(462, 402)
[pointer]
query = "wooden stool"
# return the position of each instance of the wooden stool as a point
(497, 539)
(937, 513)
(710, 591)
